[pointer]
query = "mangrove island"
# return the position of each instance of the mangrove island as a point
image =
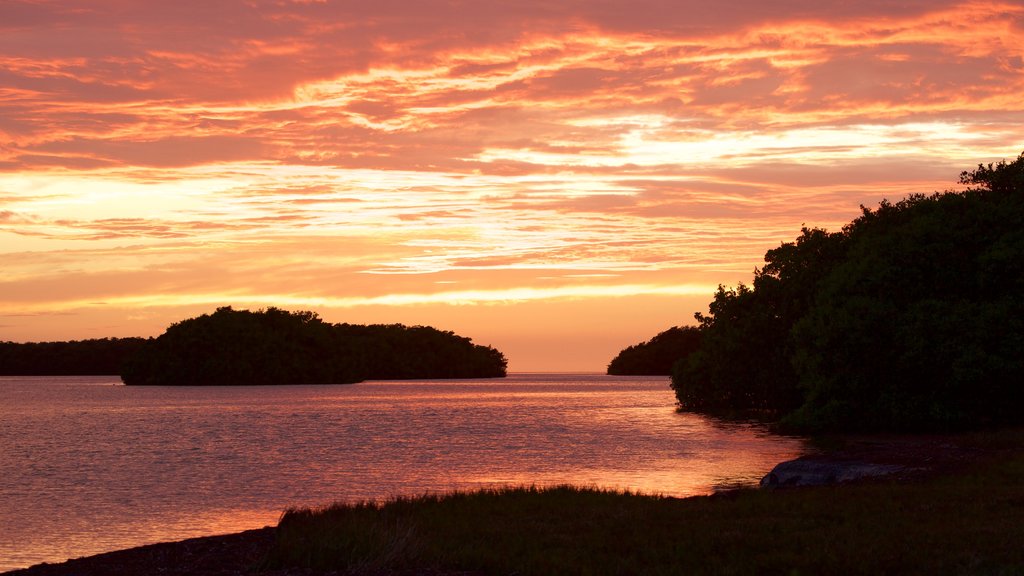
(271, 346)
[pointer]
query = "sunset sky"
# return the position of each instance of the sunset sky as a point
(558, 179)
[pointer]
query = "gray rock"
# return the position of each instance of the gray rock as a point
(811, 472)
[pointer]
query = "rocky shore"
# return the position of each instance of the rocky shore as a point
(861, 458)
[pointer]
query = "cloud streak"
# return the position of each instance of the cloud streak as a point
(369, 151)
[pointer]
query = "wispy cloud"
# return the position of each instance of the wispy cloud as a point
(367, 152)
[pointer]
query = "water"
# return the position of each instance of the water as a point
(88, 465)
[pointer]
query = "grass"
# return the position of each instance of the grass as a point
(969, 523)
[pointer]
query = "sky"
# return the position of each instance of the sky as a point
(558, 179)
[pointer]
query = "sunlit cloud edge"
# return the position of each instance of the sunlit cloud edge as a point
(453, 298)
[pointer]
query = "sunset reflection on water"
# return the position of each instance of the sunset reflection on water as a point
(88, 466)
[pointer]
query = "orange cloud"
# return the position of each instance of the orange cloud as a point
(396, 156)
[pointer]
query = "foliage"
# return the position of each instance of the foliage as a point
(743, 365)
(923, 326)
(656, 356)
(242, 347)
(273, 346)
(941, 526)
(909, 318)
(95, 357)
(397, 352)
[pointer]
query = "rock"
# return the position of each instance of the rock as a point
(811, 472)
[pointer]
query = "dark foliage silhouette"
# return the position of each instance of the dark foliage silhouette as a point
(242, 347)
(396, 352)
(656, 356)
(273, 346)
(910, 318)
(96, 357)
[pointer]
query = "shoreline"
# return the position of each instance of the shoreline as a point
(918, 458)
(221, 554)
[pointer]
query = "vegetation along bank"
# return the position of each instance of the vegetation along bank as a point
(910, 318)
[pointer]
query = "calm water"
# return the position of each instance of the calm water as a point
(88, 466)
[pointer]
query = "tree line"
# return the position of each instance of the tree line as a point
(95, 357)
(656, 356)
(909, 318)
(271, 346)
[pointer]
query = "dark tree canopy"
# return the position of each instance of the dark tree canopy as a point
(397, 352)
(656, 356)
(910, 318)
(96, 357)
(272, 346)
(243, 347)
(275, 346)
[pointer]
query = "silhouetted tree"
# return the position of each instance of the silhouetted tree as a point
(273, 346)
(104, 356)
(923, 325)
(743, 365)
(911, 317)
(397, 352)
(656, 356)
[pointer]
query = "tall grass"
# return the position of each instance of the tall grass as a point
(969, 524)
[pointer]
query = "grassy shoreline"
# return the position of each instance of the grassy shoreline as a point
(966, 522)
(963, 515)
